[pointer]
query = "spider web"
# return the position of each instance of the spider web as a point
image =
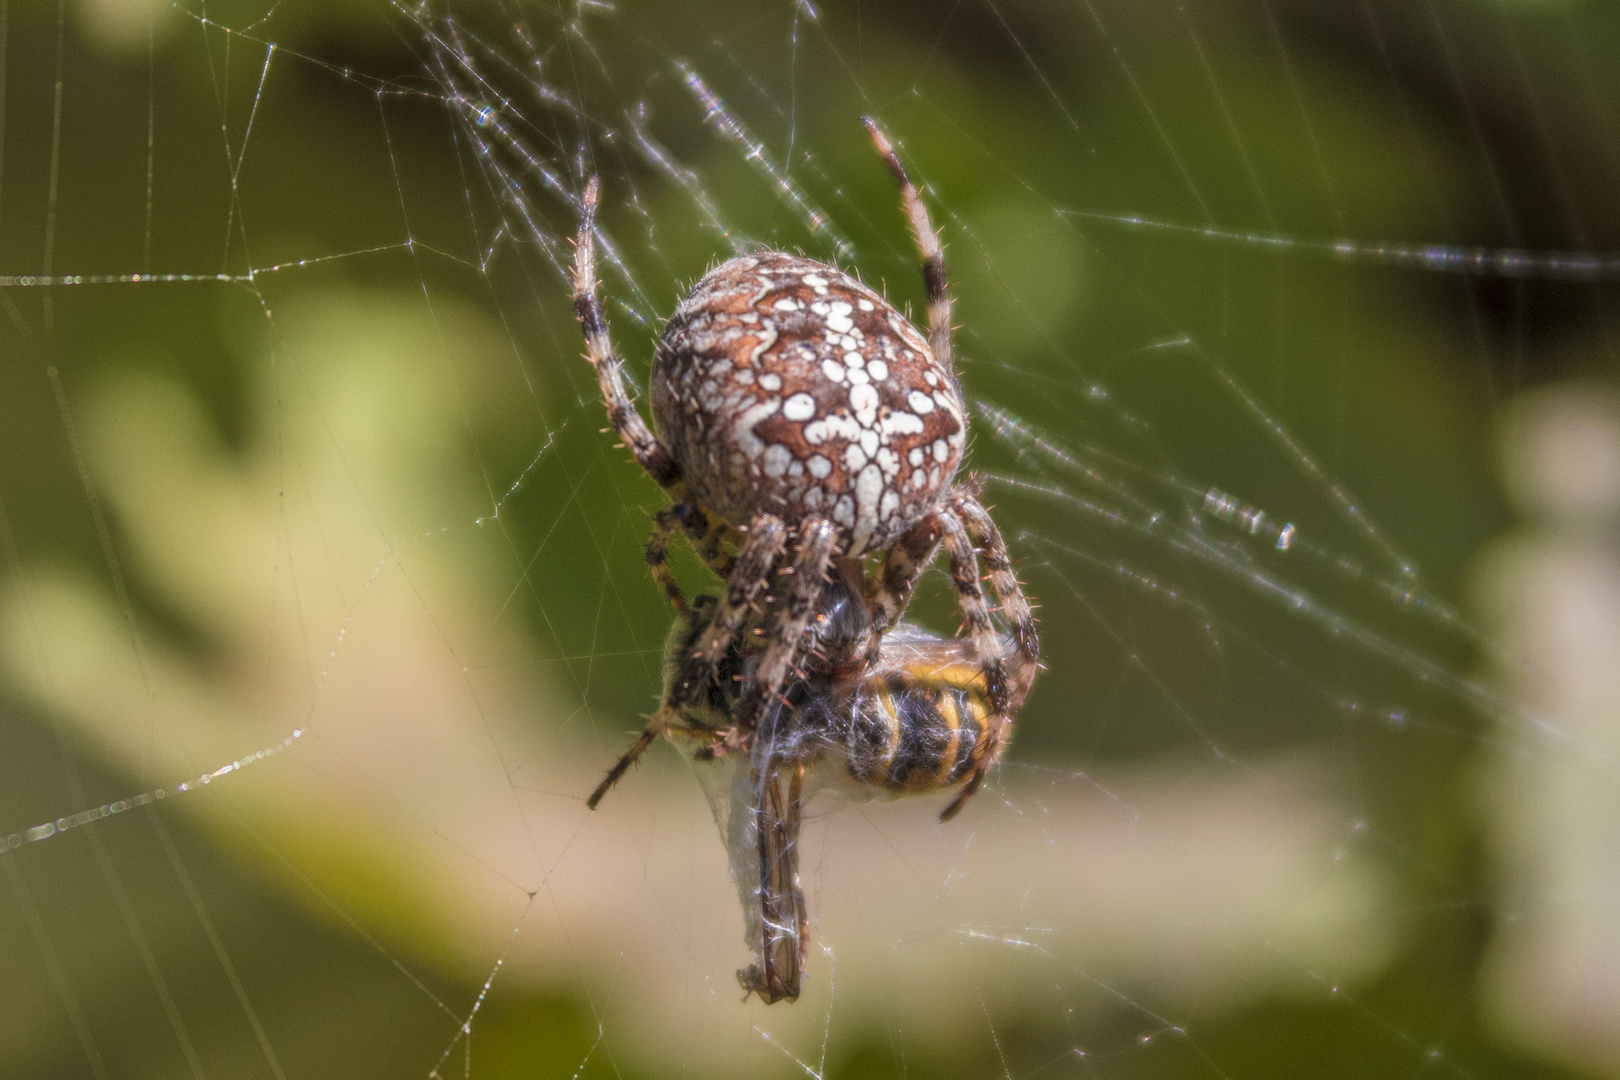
(322, 603)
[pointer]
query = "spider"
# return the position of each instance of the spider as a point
(914, 718)
(805, 425)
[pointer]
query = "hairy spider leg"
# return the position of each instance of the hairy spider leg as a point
(759, 554)
(905, 562)
(704, 531)
(962, 528)
(933, 256)
(890, 590)
(649, 453)
(665, 522)
(707, 543)
(1015, 606)
(976, 618)
(816, 546)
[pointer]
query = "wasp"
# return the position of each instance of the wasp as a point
(913, 715)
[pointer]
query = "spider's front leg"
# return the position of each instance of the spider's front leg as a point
(754, 563)
(891, 588)
(890, 591)
(759, 555)
(816, 546)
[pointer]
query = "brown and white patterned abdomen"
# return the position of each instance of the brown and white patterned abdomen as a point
(783, 385)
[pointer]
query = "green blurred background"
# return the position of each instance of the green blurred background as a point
(358, 490)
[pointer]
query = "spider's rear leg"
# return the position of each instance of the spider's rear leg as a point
(992, 749)
(933, 256)
(650, 454)
(890, 591)
(961, 526)
(766, 536)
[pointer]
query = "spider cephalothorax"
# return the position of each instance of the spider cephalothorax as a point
(805, 424)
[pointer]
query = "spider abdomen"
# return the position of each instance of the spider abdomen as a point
(783, 385)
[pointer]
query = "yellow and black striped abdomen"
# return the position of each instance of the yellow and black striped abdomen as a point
(919, 728)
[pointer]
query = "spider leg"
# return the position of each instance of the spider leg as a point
(816, 545)
(992, 748)
(704, 530)
(784, 932)
(754, 562)
(766, 537)
(891, 588)
(998, 568)
(649, 453)
(707, 541)
(683, 516)
(890, 591)
(987, 643)
(1015, 608)
(707, 534)
(933, 256)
